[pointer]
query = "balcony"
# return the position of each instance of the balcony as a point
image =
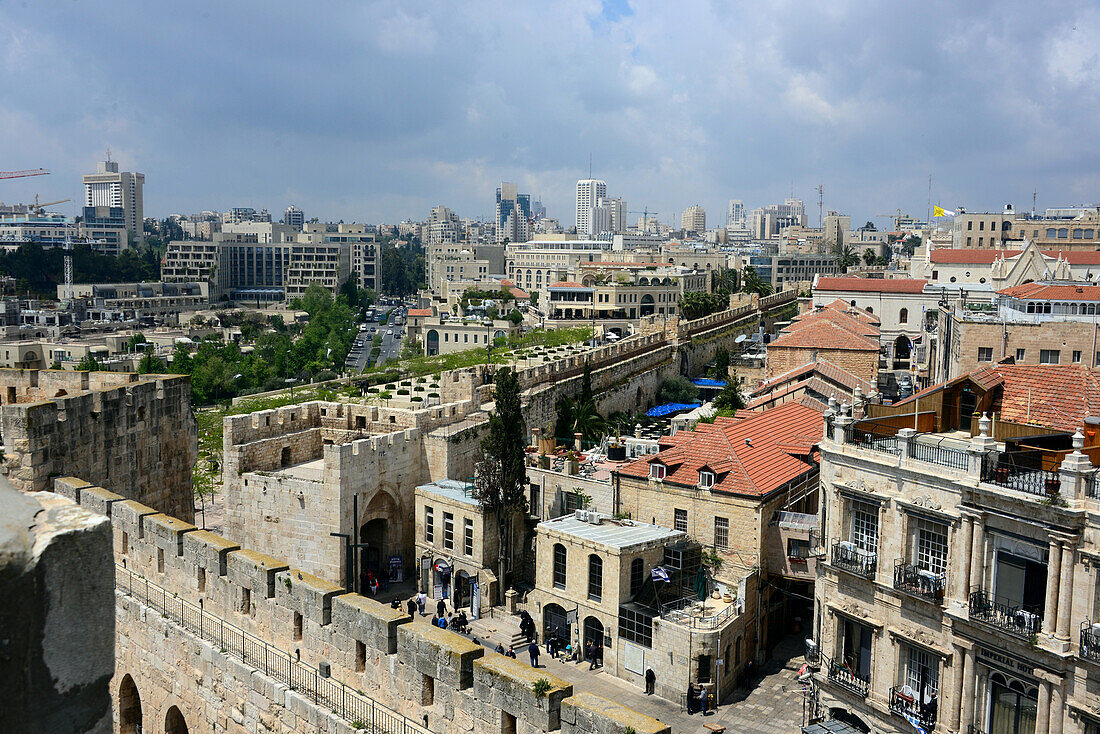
(1030, 472)
(905, 702)
(1090, 641)
(844, 677)
(1009, 618)
(847, 557)
(919, 582)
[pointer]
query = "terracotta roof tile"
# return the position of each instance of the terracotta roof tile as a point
(565, 284)
(519, 293)
(752, 456)
(974, 256)
(871, 285)
(419, 312)
(825, 334)
(1047, 291)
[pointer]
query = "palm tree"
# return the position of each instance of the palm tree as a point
(753, 283)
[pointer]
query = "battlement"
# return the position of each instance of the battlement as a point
(408, 665)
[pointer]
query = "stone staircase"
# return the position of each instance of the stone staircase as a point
(502, 628)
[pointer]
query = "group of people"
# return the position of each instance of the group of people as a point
(527, 626)
(457, 622)
(698, 699)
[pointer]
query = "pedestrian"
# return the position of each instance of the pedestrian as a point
(650, 681)
(411, 606)
(551, 646)
(421, 600)
(500, 648)
(704, 698)
(590, 653)
(599, 656)
(692, 698)
(440, 608)
(511, 652)
(435, 621)
(533, 651)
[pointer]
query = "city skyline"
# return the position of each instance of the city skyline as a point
(674, 121)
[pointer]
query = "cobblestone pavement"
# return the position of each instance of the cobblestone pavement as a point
(773, 705)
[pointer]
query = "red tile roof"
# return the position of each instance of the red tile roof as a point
(519, 293)
(871, 285)
(974, 256)
(850, 321)
(862, 314)
(824, 334)
(1046, 291)
(751, 456)
(565, 284)
(419, 312)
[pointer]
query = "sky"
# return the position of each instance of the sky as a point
(378, 111)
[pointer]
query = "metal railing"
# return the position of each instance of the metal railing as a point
(883, 443)
(845, 677)
(361, 711)
(690, 612)
(1011, 618)
(919, 582)
(940, 455)
(853, 560)
(1021, 471)
(908, 705)
(1090, 642)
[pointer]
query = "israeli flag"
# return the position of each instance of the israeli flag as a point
(916, 722)
(659, 574)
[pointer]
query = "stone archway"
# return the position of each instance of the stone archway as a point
(381, 526)
(129, 707)
(174, 722)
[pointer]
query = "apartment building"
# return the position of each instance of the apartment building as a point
(1077, 228)
(534, 265)
(108, 189)
(618, 291)
(694, 219)
(958, 587)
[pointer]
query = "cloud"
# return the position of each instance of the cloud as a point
(379, 111)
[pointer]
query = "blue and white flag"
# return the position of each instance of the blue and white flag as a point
(916, 722)
(659, 574)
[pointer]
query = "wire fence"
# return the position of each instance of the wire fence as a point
(361, 711)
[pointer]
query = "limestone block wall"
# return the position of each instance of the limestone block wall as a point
(132, 434)
(409, 666)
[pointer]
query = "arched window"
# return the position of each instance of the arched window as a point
(595, 577)
(1078, 233)
(637, 576)
(1063, 233)
(903, 316)
(1052, 232)
(559, 566)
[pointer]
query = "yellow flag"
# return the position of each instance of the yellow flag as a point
(939, 211)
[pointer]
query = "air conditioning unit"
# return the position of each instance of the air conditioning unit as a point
(595, 518)
(581, 515)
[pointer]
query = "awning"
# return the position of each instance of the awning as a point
(442, 567)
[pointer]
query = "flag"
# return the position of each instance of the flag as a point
(916, 723)
(659, 574)
(939, 211)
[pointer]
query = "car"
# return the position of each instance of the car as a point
(389, 333)
(359, 343)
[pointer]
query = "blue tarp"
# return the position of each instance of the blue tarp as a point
(670, 408)
(707, 382)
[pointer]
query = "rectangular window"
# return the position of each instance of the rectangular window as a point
(360, 657)
(985, 354)
(929, 545)
(1077, 356)
(721, 532)
(1020, 354)
(429, 524)
(202, 579)
(656, 471)
(246, 601)
(297, 625)
(680, 520)
(636, 626)
(922, 673)
(468, 536)
(706, 479)
(160, 560)
(864, 530)
(1050, 356)
(448, 531)
(797, 549)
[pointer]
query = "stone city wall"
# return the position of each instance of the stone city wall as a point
(134, 434)
(430, 675)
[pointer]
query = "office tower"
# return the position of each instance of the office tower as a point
(735, 217)
(617, 208)
(589, 192)
(444, 226)
(599, 220)
(694, 219)
(294, 216)
(108, 187)
(538, 210)
(513, 219)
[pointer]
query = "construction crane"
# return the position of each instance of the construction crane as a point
(24, 174)
(895, 216)
(37, 208)
(645, 216)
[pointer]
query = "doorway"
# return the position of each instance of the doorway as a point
(593, 634)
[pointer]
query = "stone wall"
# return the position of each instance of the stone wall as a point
(421, 672)
(134, 434)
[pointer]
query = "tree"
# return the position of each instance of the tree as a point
(721, 363)
(869, 256)
(730, 398)
(677, 390)
(88, 363)
(845, 256)
(151, 364)
(534, 298)
(869, 227)
(753, 283)
(515, 317)
(500, 483)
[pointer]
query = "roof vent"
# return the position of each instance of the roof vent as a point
(748, 442)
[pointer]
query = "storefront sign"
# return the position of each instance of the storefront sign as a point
(1006, 662)
(397, 569)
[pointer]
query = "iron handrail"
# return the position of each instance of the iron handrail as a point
(854, 560)
(1013, 619)
(361, 711)
(919, 582)
(1090, 642)
(845, 677)
(910, 706)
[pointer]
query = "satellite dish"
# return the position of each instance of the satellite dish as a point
(740, 338)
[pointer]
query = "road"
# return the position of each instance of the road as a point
(391, 346)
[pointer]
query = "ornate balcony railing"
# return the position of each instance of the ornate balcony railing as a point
(940, 455)
(854, 560)
(1021, 471)
(919, 582)
(906, 703)
(1090, 641)
(1014, 619)
(845, 677)
(885, 443)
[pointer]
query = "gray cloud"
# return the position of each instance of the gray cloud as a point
(379, 111)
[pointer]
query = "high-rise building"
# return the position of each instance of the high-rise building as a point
(108, 187)
(444, 226)
(694, 219)
(617, 209)
(735, 217)
(294, 216)
(589, 193)
(513, 218)
(599, 219)
(538, 210)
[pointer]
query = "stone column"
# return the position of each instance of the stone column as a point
(1042, 717)
(1054, 565)
(977, 554)
(956, 689)
(966, 700)
(1065, 590)
(962, 568)
(1057, 708)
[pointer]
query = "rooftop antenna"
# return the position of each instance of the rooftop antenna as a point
(820, 203)
(928, 217)
(108, 155)
(1034, 196)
